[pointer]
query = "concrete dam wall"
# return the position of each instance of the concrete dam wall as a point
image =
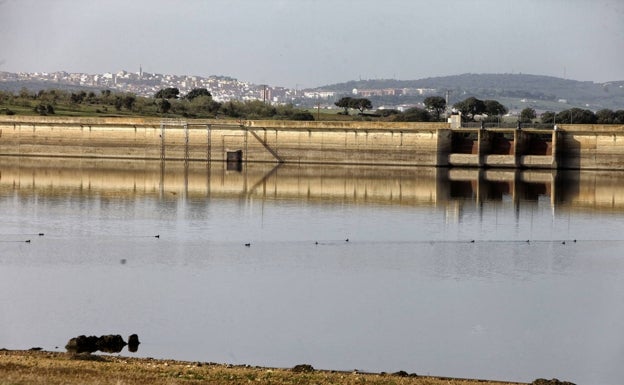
(351, 143)
(217, 140)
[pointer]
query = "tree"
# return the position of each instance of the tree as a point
(548, 117)
(24, 93)
(494, 108)
(77, 98)
(196, 92)
(302, 115)
(128, 101)
(163, 105)
(435, 105)
(231, 109)
(470, 107)
(414, 114)
(345, 102)
(44, 109)
(203, 105)
(576, 115)
(527, 115)
(361, 104)
(605, 116)
(167, 93)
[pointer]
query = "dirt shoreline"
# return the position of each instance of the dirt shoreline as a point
(50, 368)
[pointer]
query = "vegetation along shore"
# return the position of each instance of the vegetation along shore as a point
(199, 103)
(50, 368)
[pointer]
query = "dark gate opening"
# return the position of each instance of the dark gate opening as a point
(540, 144)
(502, 144)
(234, 160)
(464, 143)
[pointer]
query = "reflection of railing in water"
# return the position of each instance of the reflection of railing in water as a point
(388, 185)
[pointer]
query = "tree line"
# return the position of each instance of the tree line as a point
(492, 111)
(168, 102)
(434, 109)
(198, 103)
(573, 116)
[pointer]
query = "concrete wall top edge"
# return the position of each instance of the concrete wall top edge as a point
(345, 125)
(281, 124)
(260, 124)
(592, 128)
(20, 119)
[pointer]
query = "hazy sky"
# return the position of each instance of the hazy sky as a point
(306, 43)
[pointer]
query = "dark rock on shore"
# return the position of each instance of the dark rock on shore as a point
(400, 373)
(554, 381)
(303, 368)
(112, 343)
(82, 344)
(133, 343)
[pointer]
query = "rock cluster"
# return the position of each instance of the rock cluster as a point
(112, 343)
(303, 368)
(554, 381)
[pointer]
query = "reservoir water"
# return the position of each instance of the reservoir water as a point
(510, 275)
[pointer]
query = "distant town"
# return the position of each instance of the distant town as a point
(222, 88)
(147, 84)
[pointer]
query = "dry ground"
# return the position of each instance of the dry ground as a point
(52, 368)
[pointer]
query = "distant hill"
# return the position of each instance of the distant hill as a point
(519, 90)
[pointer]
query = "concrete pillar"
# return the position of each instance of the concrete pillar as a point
(484, 144)
(444, 146)
(521, 145)
(555, 156)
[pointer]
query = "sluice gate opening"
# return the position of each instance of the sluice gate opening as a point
(503, 143)
(465, 142)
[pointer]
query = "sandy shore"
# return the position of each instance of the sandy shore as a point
(50, 368)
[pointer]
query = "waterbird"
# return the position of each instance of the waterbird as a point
(27, 241)
(157, 236)
(347, 240)
(41, 234)
(472, 241)
(248, 244)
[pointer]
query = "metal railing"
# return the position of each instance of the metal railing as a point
(508, 125)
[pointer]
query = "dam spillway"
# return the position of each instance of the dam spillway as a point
(566, 146)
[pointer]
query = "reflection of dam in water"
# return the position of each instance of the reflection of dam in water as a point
(426, 186)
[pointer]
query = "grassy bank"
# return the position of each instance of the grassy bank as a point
(51, 368)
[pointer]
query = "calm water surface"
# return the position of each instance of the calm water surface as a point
(437, 276)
